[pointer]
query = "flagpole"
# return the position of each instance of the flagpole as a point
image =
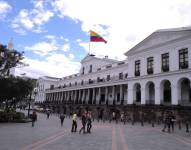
(89, 42)
(89, 48)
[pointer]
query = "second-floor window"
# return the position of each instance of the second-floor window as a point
(108, 77)
(150, 64)
(183, 58)
(165, 62)
(90, 71)
(137, 67)
(121, 75)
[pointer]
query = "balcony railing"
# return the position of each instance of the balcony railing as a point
(95, 81)
(137, 73)
(165, 68)
(150, 70)
(183, 65)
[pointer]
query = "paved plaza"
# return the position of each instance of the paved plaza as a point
(47, 134)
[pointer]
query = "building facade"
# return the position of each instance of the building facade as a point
(157, 71)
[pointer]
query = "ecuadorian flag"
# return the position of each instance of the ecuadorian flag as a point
(94, 37)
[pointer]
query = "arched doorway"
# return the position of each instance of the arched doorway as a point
(137, 93)
(184, 91)
(166, 97)
(150, 93)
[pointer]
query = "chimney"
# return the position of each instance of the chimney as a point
(106, 57)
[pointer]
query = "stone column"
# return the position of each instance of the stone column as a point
(83, 95)
(174, 93)
(121, 93)
(93, 95)
(130, 94)
(113, 94)
(79, 97)
(157, 95)
(88, 96)
(106, 94)
(143, 93)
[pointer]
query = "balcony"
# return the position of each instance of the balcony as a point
(165, 68)
(149, 70)
(137, 73)
(91, 81)
(183, 65)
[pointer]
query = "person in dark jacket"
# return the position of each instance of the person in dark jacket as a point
(83, 123)
(89, 122)
(33, 118)
(62, 117)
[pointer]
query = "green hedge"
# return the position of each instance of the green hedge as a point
(12, 116)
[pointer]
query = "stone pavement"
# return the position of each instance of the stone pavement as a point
(49, 135)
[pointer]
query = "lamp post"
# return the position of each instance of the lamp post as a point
(29, 104)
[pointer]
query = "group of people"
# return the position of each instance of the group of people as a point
(86, 121)
(169, 120)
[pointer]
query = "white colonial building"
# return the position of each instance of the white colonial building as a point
(156, 71)
(44, 83)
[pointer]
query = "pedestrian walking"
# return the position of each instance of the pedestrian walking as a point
(47, 114)
(83, 123)
(113, 116)
(172, 120)
(34, 118)
(74, 123)
(89, 122)
(166, 121)
(62, 117)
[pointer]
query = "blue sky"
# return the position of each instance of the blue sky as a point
(54, 33)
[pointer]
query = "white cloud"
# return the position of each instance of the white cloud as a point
(42, 48)
(65, 47)
(4, 9)
(71, 56)
(124, 22)
(56, 65)
(49, 45)
(32, 20)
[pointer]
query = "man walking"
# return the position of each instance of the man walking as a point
(62, 117)
(83, 123)
(74, 123)
(34, 118)
(47, 114)
(89, 122)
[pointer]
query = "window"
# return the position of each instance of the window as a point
(98, 79)
(91, 81)
(51, 86)
(126, 75)
(121, 75)
(137, 67)
(70, 84)
(150, 65)
(82, 82)
(165, 62)
(90, 71)
(98, 69)
(121, 63)
(183, 58)
(75, 83)
(108, 66)
(108, 77)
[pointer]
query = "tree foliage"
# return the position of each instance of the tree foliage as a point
(9, 59)
(15, 89)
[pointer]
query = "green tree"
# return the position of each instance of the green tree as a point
(9, 59)
(15, 89)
